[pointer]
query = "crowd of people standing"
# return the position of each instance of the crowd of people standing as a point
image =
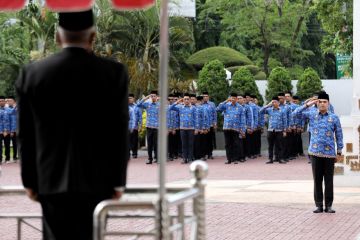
(193, 121)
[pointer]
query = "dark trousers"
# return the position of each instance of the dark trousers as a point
(172, 145)
(69, 216)
(178, 142)
(134, 141)
(208, 142)
(187, 139)
(232, 144)
(299, 144)
(250, 144)
(274, 140)
(199, 146)
(241, 151)
(213, 137)
(323, 169)
(257, 142)
(6, 141)
(151, 134)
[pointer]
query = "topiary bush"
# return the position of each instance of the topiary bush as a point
(212, 78)
(243, 81)
(228, 56)
(260, 76)
(278, 81)
(308, 84)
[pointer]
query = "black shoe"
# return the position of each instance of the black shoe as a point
(134, 156)
(236, 162)
(155, 161)
(227, 162)
(270, 162)
(329, 210)
(149, 161)
(210, 157)
(318, 210)
(281, 161)
(242, 160)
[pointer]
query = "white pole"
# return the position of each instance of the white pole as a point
(163, 131)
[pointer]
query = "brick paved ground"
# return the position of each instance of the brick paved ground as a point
(226, 219)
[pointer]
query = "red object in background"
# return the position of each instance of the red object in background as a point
(11, 4)
(132, 4)
(68, 5)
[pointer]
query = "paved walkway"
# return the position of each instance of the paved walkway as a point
(251, 200)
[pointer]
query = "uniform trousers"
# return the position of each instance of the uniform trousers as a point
(69, 216)
(232, 144)
(187, 139)
(199, 146)
(172, 145)
(151, 134)
(323, 170)
(134, 141)
(274, 140)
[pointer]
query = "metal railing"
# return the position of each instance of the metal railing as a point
(134, 201)
(174, 198)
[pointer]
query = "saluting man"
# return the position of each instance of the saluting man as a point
(234, 124)
(326, 132)
(152, 108)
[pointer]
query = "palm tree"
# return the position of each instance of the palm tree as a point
(133, 38)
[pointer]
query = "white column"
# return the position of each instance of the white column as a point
(356, 59)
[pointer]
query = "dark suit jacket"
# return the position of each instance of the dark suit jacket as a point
(71, 105)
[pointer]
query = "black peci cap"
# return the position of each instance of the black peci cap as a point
(275, 98)
(199, 98)
(323, 95)
(281, 94)
(296, 97)
(76, 21)
(233, 94)
(131, 95)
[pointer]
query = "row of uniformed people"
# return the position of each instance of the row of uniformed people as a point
(8, 127)
(199, 115)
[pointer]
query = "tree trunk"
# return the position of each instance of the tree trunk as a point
(266, 59)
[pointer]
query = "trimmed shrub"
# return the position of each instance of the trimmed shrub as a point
(212, 78)
(243, 81)
(278, 81)
(260, 76)
(308, 84)
(228, 56)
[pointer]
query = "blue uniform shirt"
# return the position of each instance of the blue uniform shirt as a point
(187, 115)
(325, 130)
(12, 116)
(276, 117)
(4, 121)
(138, 115)
(152, 113)
(132, 118)
(211, 108)
(234, 116)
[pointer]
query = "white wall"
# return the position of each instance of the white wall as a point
(339, 90)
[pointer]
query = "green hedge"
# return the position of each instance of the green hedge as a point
(228, 56)
(260, 76)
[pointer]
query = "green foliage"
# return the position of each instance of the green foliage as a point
(260, 76)
(295, 72)
(278, 81)
(336, 17)
(228, 56)
(275, 27)
(308, 84)
(243, 81)
(212, 78)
